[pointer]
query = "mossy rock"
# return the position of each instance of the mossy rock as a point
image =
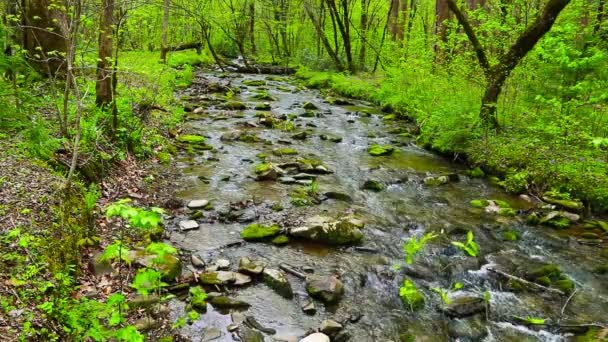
(191, 139)
(164, 158)
(235, 105)
(406, 135)
(544, 280)
(380, 150)
(198, 299)
(285, 151)
(565, 284)
(308, 114)
(533, 219)
(565, 203)
(281, 240)
(257, 232)
(373, 185)
(254, 83)
(277, 207)
(264, 96)
(506, 212)
(603, 225)
(310, 106)
(263, 106)
(263, 167)
(501, 203)
(510, 235)
(389, 117)
(476, 173)
(479, 203)
(228, 303)
(545, 270)
(249, 138)
(559, 222)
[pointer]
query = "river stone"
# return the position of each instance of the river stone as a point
(196, 261)
(464, 305)
(223, 264)
(197, 204)
(330, 327)
(300, 176)
(241, 279)
(217, 278)
(307, 305)
(338, 196)
(287, 180)
(373, 185)
(249, 266)
(470, 328)
(250, 335)
(228, 303)
(299, 136)
(276, 280)
(210, 334)
(328, 289)
(436, 181)
(316, 337)
(188, 225)
(324, 229)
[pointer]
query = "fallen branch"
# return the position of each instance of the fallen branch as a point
(526, 282)
(291, 270)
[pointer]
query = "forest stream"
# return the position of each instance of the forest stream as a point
(389, 195)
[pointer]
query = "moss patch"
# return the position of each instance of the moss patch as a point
(379, 150)
(256, 232)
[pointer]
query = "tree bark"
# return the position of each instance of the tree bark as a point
(344, 27)
(497, 74)
(442, 14)
(363, 27)
(321, 34)
(165, 28)
(103, 86)
(252, 27)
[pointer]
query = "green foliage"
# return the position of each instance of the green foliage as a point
(137, 217)
(470, 246)
(147, 280)
(444, 295)
(410, 295)
(412, 246)
(116, 252)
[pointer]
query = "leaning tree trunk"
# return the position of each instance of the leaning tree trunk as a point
(103, 86)
(363, 30)
(497, 74)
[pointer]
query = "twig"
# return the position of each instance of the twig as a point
(526, 282)
(566, 304)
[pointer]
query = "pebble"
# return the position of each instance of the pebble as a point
(197, 204)
(188, 225)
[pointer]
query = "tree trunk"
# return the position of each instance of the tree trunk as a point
(252, 27)
(344, 27)
(393, 18)
(321, 34)
(103, 86)
(165, 28)
(599, 17)
(44, 38)
(442, 14)
(497, 75)
(402, 20)
(363, 28)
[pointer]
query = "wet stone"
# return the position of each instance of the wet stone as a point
(328, 289)
(198, 204)
(330, 327)
(276, 280)
(465, 305)
(316, 337)
(249, 266)
(188, 225)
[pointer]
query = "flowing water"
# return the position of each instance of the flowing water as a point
(405, 208)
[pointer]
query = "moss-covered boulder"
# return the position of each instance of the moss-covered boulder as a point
(263, 106)
(380, 150)
(217, 278)
(258, 232)
(235, 105)
(476, 173)
(191, 139)
(310, 106)
(550, 275)
(169, 266)
(276, 280)
(225, 302)
(324, 229)
(564, 203)
(373, 185)
(479, 203)
(284, 151)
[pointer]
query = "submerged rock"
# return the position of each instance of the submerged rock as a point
(373, 185)
(217, 278)
(379, 150)
(328, 289)
(464, 305)
(310, 106)
(277, 280)
(228, 303)
(247, 334)
(268, 172)
(327, 230)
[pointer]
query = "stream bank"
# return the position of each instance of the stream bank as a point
(250, 151)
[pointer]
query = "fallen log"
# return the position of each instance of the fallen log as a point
(187, 46)
(525, 282)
